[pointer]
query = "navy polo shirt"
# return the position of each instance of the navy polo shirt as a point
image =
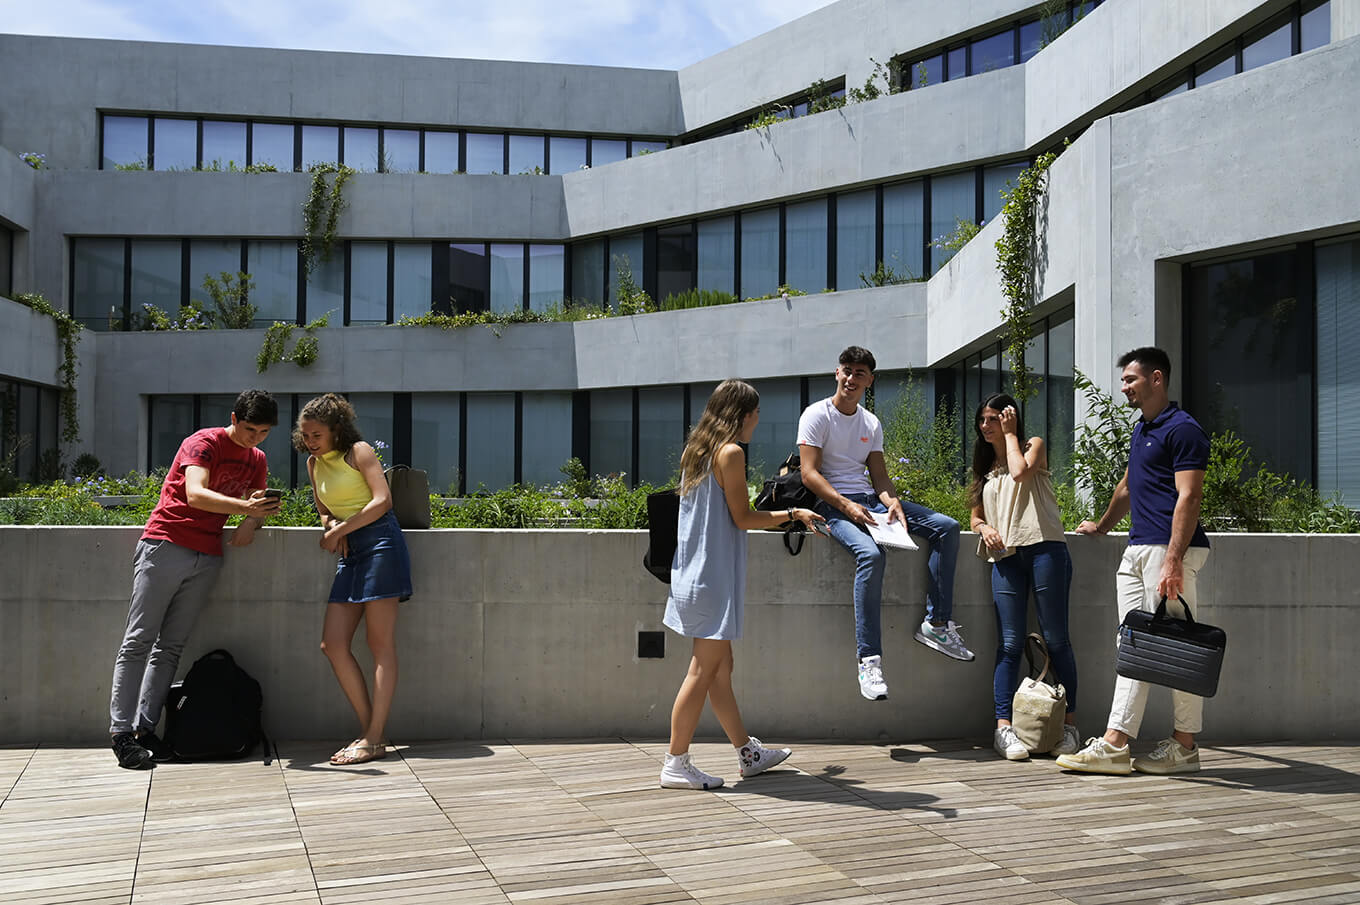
(1171, 442)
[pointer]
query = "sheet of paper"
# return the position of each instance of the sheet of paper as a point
(891, 534)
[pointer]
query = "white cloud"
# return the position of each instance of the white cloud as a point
(668, 35)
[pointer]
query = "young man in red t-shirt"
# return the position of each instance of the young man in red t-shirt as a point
(218, 472)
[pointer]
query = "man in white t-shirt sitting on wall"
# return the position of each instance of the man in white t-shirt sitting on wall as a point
(840, 448)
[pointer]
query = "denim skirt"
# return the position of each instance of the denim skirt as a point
(378, 565)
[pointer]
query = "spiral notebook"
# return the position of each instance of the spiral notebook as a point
(890, 534)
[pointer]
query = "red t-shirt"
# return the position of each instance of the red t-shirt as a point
(233, 471)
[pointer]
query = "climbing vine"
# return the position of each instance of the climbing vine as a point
(68, 329)
(274, 349)
(321, 212)
(1018, 257)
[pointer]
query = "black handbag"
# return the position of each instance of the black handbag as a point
(786, 491)
(663, 521)
(1178, 653)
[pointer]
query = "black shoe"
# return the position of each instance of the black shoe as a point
(161, 752)
(131, 755)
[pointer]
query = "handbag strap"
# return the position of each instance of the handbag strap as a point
(1162, 614)
(1033, 640)
(792, 531)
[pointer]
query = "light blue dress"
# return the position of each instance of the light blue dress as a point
(708, 574)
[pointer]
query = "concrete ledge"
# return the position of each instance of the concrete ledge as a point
(534, 634)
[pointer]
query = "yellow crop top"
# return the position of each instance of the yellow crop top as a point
(341, 487)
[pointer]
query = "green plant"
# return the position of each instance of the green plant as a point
(1100, 451)
(49, 466)
(696, 298)
(493, 319)
(190, 317)
(923, 453)
(1054, 21)
(1021, 254)
(321, 212)
(34, 159)
(629, 298)
(229, 295)
(885, 275)
(86, 465)
(273, 349)
(871, 90)
(770, 115)
(577, 481)
(1241, 494)
(922, 75)
(779, 293)
(964, 231)
(131, 166)
(68, 331)
(820, 97)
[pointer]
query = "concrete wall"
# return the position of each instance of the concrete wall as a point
(56, 85)
(534, 634)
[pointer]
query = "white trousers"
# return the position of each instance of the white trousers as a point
(1136, 588)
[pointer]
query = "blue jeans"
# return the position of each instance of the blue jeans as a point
(1047, 569)
(942, 534)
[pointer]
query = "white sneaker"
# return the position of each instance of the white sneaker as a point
(1008, 745)
(1071, 741)
(1099, 756)
(753, 757)
(1169, 757)
(871, 683)
(679, 773)
(944, 638)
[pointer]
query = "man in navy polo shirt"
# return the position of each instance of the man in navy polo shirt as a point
(1162, 490)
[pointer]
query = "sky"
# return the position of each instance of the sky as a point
(663, 34)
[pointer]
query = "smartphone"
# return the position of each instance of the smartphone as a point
(273, 493)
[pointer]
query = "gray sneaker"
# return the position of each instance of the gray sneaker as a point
(1169, 757)
(945, 639)
(1071, 741)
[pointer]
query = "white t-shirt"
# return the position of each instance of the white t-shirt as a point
(845, 442)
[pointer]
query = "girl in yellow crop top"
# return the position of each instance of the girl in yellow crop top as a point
(373, 573)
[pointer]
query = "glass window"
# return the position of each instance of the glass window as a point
(361, 148)
(374, 419)
(1177, 85)
(441, 152)
(661, 433)
(717, 251)
(6, 262)
(607, 150)
(224, 144)
(777, 433)
(98, 279)
(759, 252)
(434, 439)
(1315, 26)
(994, 180)
(566, 154)
(326, 289)
(1262, 48)
(490, 440)
(904, 232)
(401, 151)
(1338, 385)
(368, 282)
(172, 419)
(611, 432)
(1031, 41)
(625, 255)
(1218, 66)
(272, 143)
(547, 269)
(507, 277)
(587, 272)
(273, 266)
(176, 144)
(951, 200)
(674, 260)
(124, 141)
(856, 226)
(469, 277)
(648, 147)
(1059, 386)
(156, 275)
(956, 63)
(526, 154)
(411, 280)
(546, 430)
(929, 71)
(29, 429)
(485, 152)
(215, 411)
(320, 144)
(994, 52)
(1249, 361)
(211, 258)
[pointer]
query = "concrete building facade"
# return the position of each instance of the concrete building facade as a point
(1207, 201)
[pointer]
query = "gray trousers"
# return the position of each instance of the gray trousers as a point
(170, 584)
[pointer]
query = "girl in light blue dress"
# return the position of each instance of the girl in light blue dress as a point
(708, 580)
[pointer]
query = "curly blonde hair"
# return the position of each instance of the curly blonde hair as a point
(720, 424)
(334, 411)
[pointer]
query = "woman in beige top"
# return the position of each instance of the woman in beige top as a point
(1017, 516)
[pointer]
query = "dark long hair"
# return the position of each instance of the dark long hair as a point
(984, 454)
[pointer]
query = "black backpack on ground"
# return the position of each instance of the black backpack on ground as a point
(214, 714)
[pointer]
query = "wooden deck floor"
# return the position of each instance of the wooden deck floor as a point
(583, 822)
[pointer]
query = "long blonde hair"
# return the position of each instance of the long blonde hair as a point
(720, 424)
